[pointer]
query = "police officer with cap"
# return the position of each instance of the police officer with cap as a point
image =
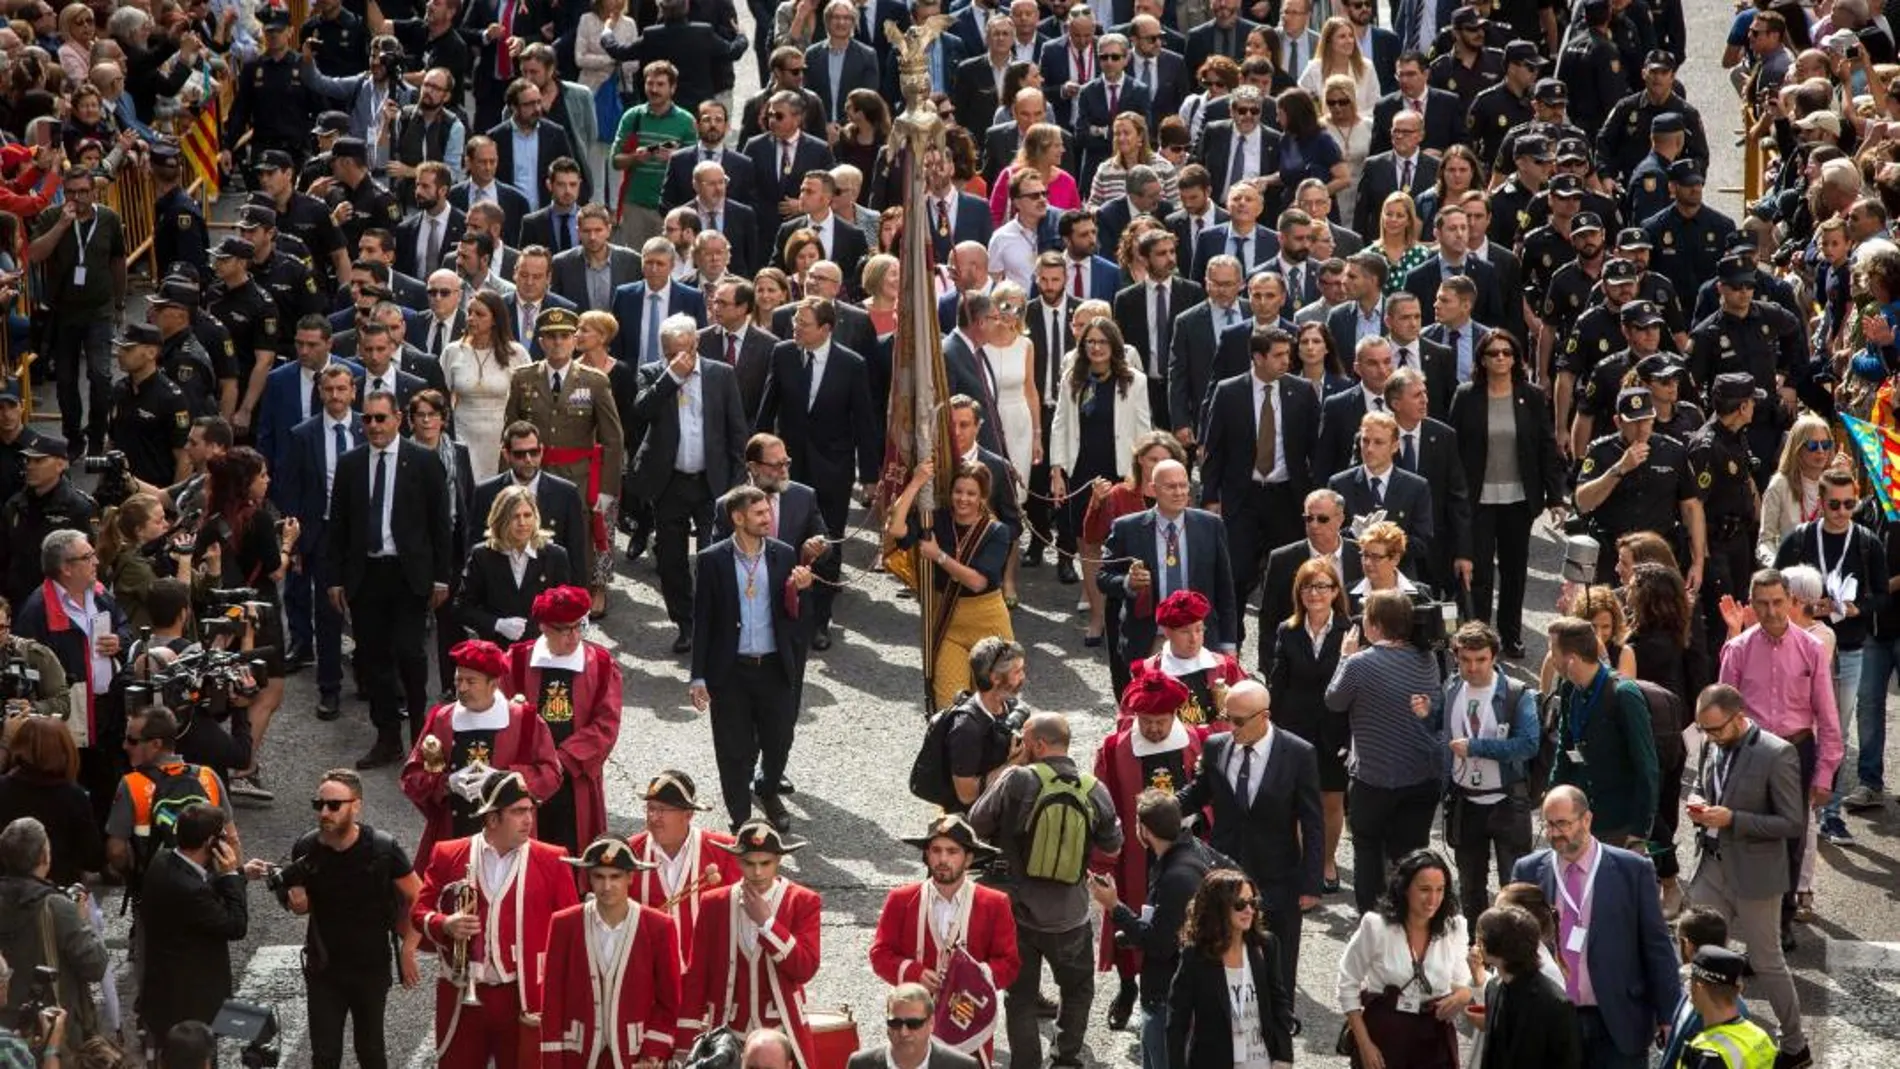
(1759, 339)
(1550, 102)
(1632, 123)
(48, 503)
(1637, 480)
(178, 230)
(364, 202)
(181, 357)
(1547, 248)
(271, 101)
(1728, 1040)
(1533, 160)
(16, 435)
(1592, 63)
(330, 125)
(1572, 285)
(250, 313)
(211, 333)
(1769, 287)
(1667, 376)
(1724, 465)
(1633, 244)
(1648, 191)
(303, 217)
(1597, 333)
(337, 39)
(1573, 158)
(282, 240)
(1642, 327)
(1470, 56)
(1689, 236)
(150, 416)
(1504, 106)
(286, 278)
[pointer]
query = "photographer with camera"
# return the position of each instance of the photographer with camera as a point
(136, 549)
(50, 502)
(44, 927)
(356, 885)
(39, 1047)
(32, 683)
(197, 682)
(985, 735)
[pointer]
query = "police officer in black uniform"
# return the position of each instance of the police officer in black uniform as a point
(1592, 63)
(1689, 236)
(285, 242)
(1571, 285)
(250, 313)
(1546, 248)
(1573, 158)
(1597, 333)
(1633, 244)
(1724, 472)
(180, 355)
(1768, 286)
(1508, 202)
(1502, 107)
(1637, 480)
(1648, 185)
(342, 41)
(1667, 376)
(365, 203)
(150, 417)
(1624, 138)
(49, 502)
(271, 100)
(1758, 339)
(1487, 32)
(212, 335)
(1467, 62)
(330, 126)
(1642, 329)
(285, 277)
(303, 217)
(16, 436)
(178, 226)
(1549, 119)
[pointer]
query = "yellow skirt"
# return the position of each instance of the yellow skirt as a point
(977, 617)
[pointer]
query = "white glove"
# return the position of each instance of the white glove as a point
(511, 628)
(466, 782)
(603, 503)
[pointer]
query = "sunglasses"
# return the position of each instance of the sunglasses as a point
(441, 293)
(909, 1024)
(1340, 102)
(377, 417)
(1245, 111)
(1242, 905)
(1116, 56)
(1038, 194)
(328, 805)
(525, 454)
(1818, 445)
(1241, 721)
(1501, 350)
(1841, 504)
(1321, 520)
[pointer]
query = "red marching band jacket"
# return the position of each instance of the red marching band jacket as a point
(596, 701)
(626, 1008)
(725, 986)
(523, 746)
(1119, 770)
(699, 852)
(905, 945)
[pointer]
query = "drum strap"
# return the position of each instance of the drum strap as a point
(959, 923)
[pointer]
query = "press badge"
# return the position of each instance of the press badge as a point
(1575, 754)
(1410, 1003)
(1574, 945)
(79, 274)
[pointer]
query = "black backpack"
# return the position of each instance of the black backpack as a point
(930, 773)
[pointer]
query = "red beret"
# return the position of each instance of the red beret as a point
(1181, 608)
(562, 605)
(478, 655)
(1154, 694)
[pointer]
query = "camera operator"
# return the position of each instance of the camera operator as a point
(48, 1036)
(146, 806)
(987, 736)
(356, 885)
(207, 734)
(197, 891)
(50, 502)
(1384, 684)
(37, 917)
(32, 683)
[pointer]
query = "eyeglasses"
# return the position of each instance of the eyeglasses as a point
(774, 465)
(1317, 519)
(908, 1024)
(1841, 504)
(1243, 905)
(525, 454)
(433, 292)
(1323, 588)
(1817, 445)
(1717, 729)
(83, 558)
(424, 413)
(328, 805)
(1116, 56)
(1237, 110)
(1380, 558)
(1034, 194)
(1242, 721)
(377, 417)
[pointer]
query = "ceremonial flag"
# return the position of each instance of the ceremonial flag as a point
(966, 1007)
(200, 142)
(1879, 448)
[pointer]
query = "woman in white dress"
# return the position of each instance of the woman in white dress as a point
(477, 367)
(1351, 129)
(1339, 54)
(1011, 362)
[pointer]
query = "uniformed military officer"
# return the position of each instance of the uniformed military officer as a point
(1724, 471)
(1689, 236)
(1667, 376)
(250, 313)
(1628, 131)
(1496, 110)
(1768, 286)
(50, 502)
(1592, 63)
(1758, 339)
(1573, 158)
(1547, 248)
(306, 217)
(1637, 480)
(330, 126)
(1571, 285)
(1467, 63)
(582, 435)
(1642, 337)
(1533, 159)
(178, 226)
(16, 436)
(1727, 1040)
(365, 202)
(342, 42)
(150, 417)
(1549, 119)
(286, 278)
(271, 101)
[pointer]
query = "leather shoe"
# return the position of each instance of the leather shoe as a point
(329, 707)
(784, 785)
(1122, 1007)
(1065, 571)
(1800, 1059)
(296, 659)
(775, 813)
(683, 643)
(822, 640)
(387, 751)
(1032, 556)
(1514, 650)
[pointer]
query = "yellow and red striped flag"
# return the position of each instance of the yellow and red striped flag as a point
(200, 142)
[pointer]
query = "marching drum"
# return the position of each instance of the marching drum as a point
(835, 1035)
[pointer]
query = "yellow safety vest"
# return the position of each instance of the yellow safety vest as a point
(1740, 1045)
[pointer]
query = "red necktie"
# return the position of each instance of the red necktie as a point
(505, 63)
(1414, 104)
(1076, 285)
(732, 348)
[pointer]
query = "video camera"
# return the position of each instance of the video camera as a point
(1432, 624)
(115, 478)
(253, 1024)
(230, 611)
(42, 995)
(201, 680)
(19, 681)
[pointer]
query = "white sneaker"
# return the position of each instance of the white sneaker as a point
(249, 787)
(1863, 797)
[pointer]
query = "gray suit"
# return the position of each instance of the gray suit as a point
(941, 1057)
(570, 275)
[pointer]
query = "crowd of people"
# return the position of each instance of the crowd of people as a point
(512, 300)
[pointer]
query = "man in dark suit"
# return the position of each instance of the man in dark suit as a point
(1256, 454)
(1240, 147)
(788, 74)
(1440, 112)
(704, 52)
(571, 278)
(818, 400)
(1199, 211)
(966, 416)
(979, 79)
(749, 647)
(534, 270)
(1378, 484)
(1242, 236)
(1224, 34)
(1493, 301)
(1429, 449)
(526, 109)
(912, 1046)
(1265, 800)
(494, 68)
(641, 306)
(191, 909)
(731, 339)
(1340, 414)
(1404, 320)
(1047, 317)
(1509, 269)
(1626, 945)
(712, 121)
(563, 509)
(1155, 552)
(1147, 311)
(854, 330)
(1195, 340)
(556, 225)
(1324, 517)
(857, 62)
(487, 183)
(971, 23)
(1110, 93)
(713, 201)
(1158, 64)
(1141, 196)
(1092, 276)
(681, 473)
(781, 158)
(434, 229)
(1068, 63)
(292, 393)
(967, 367)
(387, 558)
(843, 244)
(445, 319)
(953, 215)
(304, 474)
(406, 357)
(1401, 167)
(375, 354)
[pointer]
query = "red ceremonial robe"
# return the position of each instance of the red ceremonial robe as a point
(726, 986)
(523, 746)
(697, 853)
(1119, 769)
(596, 726)
(906, 945)
(1224, 671)
(624, 1009)
(514, 937)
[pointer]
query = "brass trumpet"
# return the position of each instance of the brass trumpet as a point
(465, 902)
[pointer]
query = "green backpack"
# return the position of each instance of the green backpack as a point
(1057, 833)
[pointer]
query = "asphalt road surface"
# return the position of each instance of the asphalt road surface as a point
(858, 734)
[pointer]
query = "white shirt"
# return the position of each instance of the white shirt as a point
(1249, 146)
(1377, 957)
(307, 378)
(330, 455)
(825, 231)
(518, 562)
(1375, 402)
(373, 382)
(1476, 773)
(386, 545)
(818, 357)
(478, 194)
(943, 913)
(1398, 168)
(607, 937)
(1263, 391)
(527, 312)
(1256, 771)
(749, 931)
(82, 613)
(691, 456)
(1013, 253)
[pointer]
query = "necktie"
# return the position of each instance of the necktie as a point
(1264, 455)
(784, 158)
(1148, 76)
(342, 441)
(528, 312)
(435, 337)
(1114, 95)
(1298, 64)
(1240, 252)
(1171, 565)
(811, 380)
(1457, 352)
(1081, 66)
(314, 404)
(1567, 920)
(713, 218)
(1075, 284)
(1243, 783)
(1378, 404)
(1378, 491)
(431, 249)
(1161, 317)
(1405, 356)
(1233, 315)
(377, 386)
(1409, 458)
(378, 493)
(1238, 169)
(943, 219)
(1296, 282)
(652, 329)
(732, 348)
(1405, 176)
(1417, 106)
(557, 384)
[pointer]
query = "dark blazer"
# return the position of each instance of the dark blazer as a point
(1094, 119)
(1632, 955)
(1049, 350)
(1000, 141)
(716, 617)
(537, 228)
(1442, 466)
(965, 376)
(1470, 418)
(489, 592)
(969, 221)
(704, 53)
(1437, 334)
(849, 247)
(410, 292)
(740, 224)
(1131, 315)
(854, 330)
(553, 143)
(188, 973)
(1112, 219)
(425, 325)
(1172, 83)
(752, 124)
(1196, 339)
(1277, 838)
(1182, 224)
(1172, 880)
(1379, 179)
(463, 490)
(1343, 323)
(570, 273)
(424, 366)
(1003, 477)
(798, 518)
(973, 92)
(1217, 147)
(1444, 123)
(1385, 58)
(1209, 572)
(834, 441)
(1229, 433)
(1493, 299)
(1216, 240)
(859, 71)
(1200, 1013)
(678, 188)
(563, 510)
(1339, 417)
(725, 428)
(409, 241)
(298, 489)
(1058, 70)
(281, 409)
(550, 300)
(1530, 1022)
(1439, 365)
(1276, 594)
(406, 385)
(1200, 42)
(770, 185)
(1408, 503)
(753, 364)
(1510, 272)
(514, 206)
(940, 1057)
(418, 520)
(629, 308)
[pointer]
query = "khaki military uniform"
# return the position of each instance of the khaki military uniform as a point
(581, 438)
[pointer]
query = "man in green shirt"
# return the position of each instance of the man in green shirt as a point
(648, 136)
(81, 245)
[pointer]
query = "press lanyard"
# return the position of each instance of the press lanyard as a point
(85, 237)
(1589, 887)
(1820, 550)
(1580, 712)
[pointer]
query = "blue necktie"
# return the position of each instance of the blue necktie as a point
(342, 443)
(652, 351)
(378, 493)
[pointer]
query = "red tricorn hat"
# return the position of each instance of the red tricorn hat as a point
(1154, 693)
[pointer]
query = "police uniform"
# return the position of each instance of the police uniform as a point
(271, 99)
(1544, 251)
(288, 280)
(149, 421)
(13, 454)
(1601, 205)
(1569, 295)
(1688, 248)
(1625, 138)
(1646, 499)
(342, 43)
(371, 205)
(1593, 64)
(307, 222)
(1467, 80)
(1508, 204)
(1551, 132)
(1494, 113)
(186, 363)
(1598, 333)
(215, 338)
(1648, 188)
(178, 226)
(1737, 1043)
(1765, 343)
(29, 517)
(248, 311)
(1724, 472)
(1600, 386)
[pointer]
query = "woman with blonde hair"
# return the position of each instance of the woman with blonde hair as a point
(478, 368)
(1305, 656)
(506, 571)
(1339, 53)
(77, 31)
(1793, 496)
(1351, 129)
(1129, 135)
(1041, 152)
(879, 280)
(124, 532)
(1382, 549)
(1101, 409)
(1397, 240)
